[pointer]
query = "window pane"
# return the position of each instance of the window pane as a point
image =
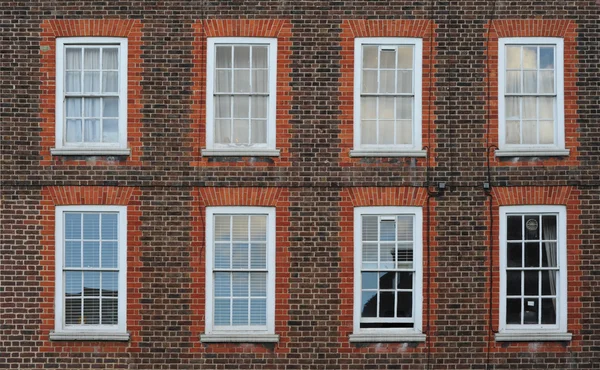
(223, 81)
(405, 257)
(546, 132)
(387, 256)
(546, 82)
(259, 56)
(513, 82)
(530, 57)
(514, 228)
(222, 312)
(258, 227)
(513, 57)
(91, 226)
(92, 107)
(386, 108)
(222, 106)
(259, 256)
(532, 282)
(109, 226)
(110, 131)
(529, 132)
(223, 56)
(546, 57)
(92, 130)
(530, 311)
(91, 82)
(110, 82)
(259, 106)
(405, 228)
(532, 254)
(240, 312)
(241, 107)
(73, 107)
(91, 58)
(368, 108)
(222, 231)
(549, 254)
(387, 304)
(73, 82)
(512, 108)
(222, 255)
(404, 108)
(386, 82)
(405, 82)
(260, 81)
(258, 312)
(404, 132)
(110, 58)
(370, 55)
(369, 253)
(369, 280)
(109, 254)
(73, 130)
(91, 254)
(369, 82)
(73, 311)
(73, 254)
(532, 227)
(110, 107)
(513, 134)
(259, 132)
(548, 282)
(388, 58)
(387, 280)
(241, 57)
(405, 57)
(73, 284)
(368, 132)
(241, 81)
(72, 225)
(546, 107)
(369, 304)
(241, 132)
(369, 228)
(110, 312)
(386, 132)
(110, 284)
(405, 280)
(405, 303)
(513, 255)
(240, 256)
(240, 227)
(530, 82)
(513, 311)
(258, 284)
(222, 284)
(73, 58)
(91, 283)
(529, 108)
(513, 282)
(549, 311)
(223, 131)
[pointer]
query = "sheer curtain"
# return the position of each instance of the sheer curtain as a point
(549, 232)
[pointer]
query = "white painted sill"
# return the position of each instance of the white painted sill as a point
(239, 338)
(90, 151)
(533, 336)
(89, 336)
(387, 153)
(240, 152)
(396, 337)
(532, 153)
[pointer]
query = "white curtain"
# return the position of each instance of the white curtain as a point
(549, 232)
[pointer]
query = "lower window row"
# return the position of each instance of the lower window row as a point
(240, 263)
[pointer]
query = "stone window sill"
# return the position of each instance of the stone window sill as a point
(385, 337)
(240, 152)
(90, 151)
(533, 336)
(89, 336)
(387, 153)
(533, 153)
(239, 338)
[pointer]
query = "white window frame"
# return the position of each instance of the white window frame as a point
(557, 332)
(90, 332)
(264, 333)
(85, 148)
(396, 150)
(214, 149)
(415, 333)
(557, 149)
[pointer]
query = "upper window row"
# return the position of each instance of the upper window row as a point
(91, 88)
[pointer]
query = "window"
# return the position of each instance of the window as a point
(240, 274)
(387, 274)
(533, 285)
(531, 96)
(90, 272)
(241, 96)
(387, 96)
(91, 95)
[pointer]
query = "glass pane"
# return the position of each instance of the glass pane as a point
(223, 56)
(546, 132)
(260, 81)
(73, 311)
(513, 255)
(387, 230)
(240, 227)
(529, 108)
(240, 256)
(513, 57)
(73, 107)
(405, 280)
(91, 254)
(512, 108)
(91, 226)
(530, 314)
(532, 255)
(222, 106)
(532, 281)
(222, 224)
(530, 57)
(73, 131)
(546, 108)
(549, 254)
(109, 254)
(404, 108)
(222, 284)
(386, 304)
(259, 132)
(513, 134)
(109, 226)
(72, 254)
(110, 82)
(368, 132)
(259, 56)
(73, 82)
(73, 58)
(241, 81)
(222, 255)
(530, 82)
(405, 57)
(110, 312)
(514, 228)
(241, 56)
(92, 130)
(404, 257)
(386, 132)
(532, 227)
(369, 280)
(405, 228)
(110, 284)
(529, 132)
(546, 82)
(72, 225)
(388, 59)
(110, 107)
(259, 106)
(405, 82)
(73, 284)
(241, 131)
(258, 256)
(110, 58)
(513, 82)
(369, 304)
(546, 57)
(549, 311)
(387, 255)
(241, 107)
(387, 280)
(404, 132)
(223, 81)
(368, 107)
(370, 54)
(386, 108)
(405, 303)
(548, 282)
(513, 282)
(91, 284)
(369, 252)
(369, 82)
(386, 82)
(513, 311)
(258, 312)
(240, 312)
(223, 131)
(110, 131)
(91, 82)
(258, 284)
(91, 58)
(92, 107)
(222, 312)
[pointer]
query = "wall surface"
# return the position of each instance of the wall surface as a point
(314, 184)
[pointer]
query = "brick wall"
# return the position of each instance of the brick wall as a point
(314, 184)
